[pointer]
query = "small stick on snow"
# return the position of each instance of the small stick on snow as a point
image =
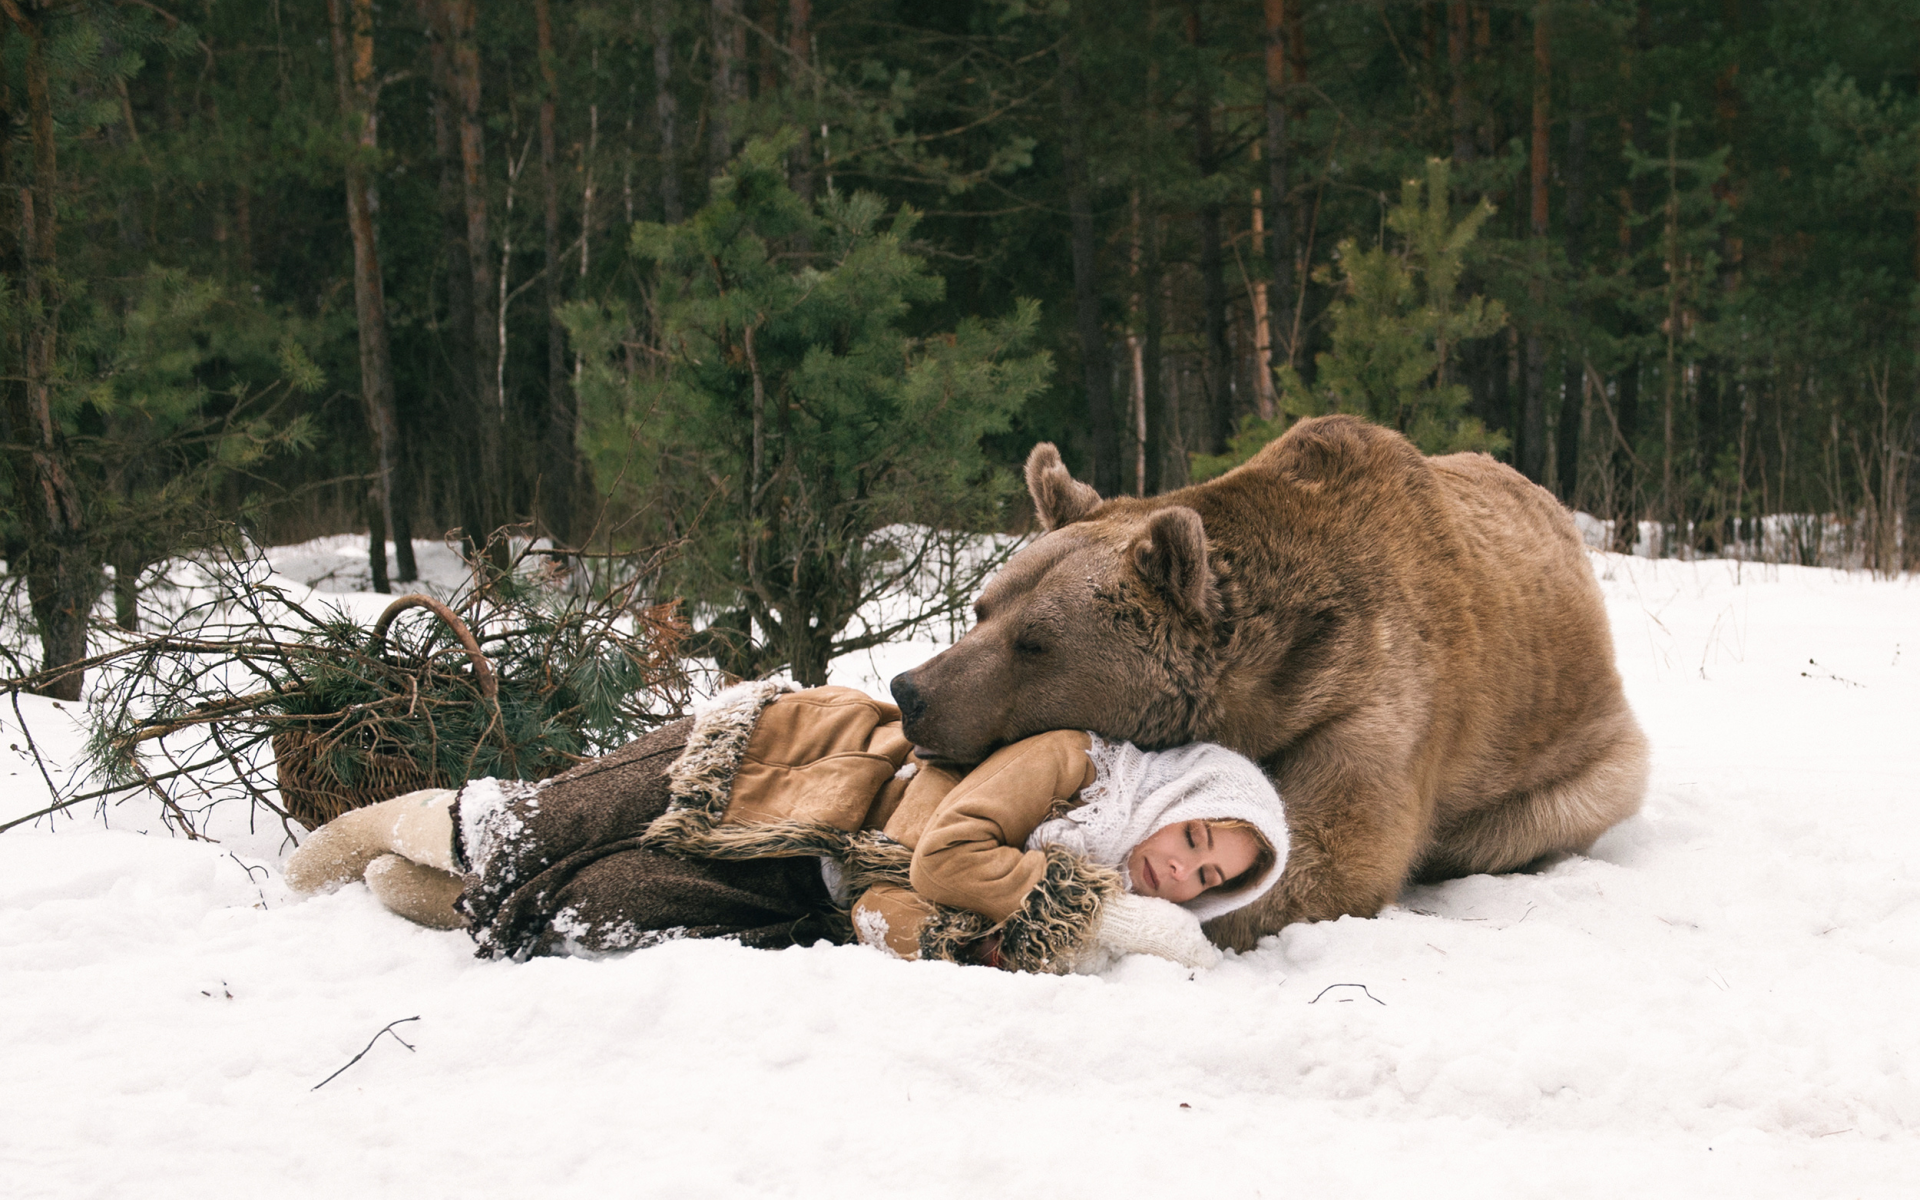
(356, 1058)
(250, 879)
(39, 762)
(1324, 991)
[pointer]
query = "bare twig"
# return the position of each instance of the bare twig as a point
(39, 761)
(1361, 986)
(356, 1058)
(1826, 674)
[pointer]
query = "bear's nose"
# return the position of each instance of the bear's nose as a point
(912, 704)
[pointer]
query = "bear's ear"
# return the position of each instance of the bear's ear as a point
(1058, 498)
(1172, 556)
(1326, 450)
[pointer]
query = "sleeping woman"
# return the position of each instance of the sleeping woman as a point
(780, 817)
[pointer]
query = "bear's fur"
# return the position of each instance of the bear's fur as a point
(1414, 648)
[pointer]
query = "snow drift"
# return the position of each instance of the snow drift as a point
(1716, 1002)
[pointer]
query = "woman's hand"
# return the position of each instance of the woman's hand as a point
(1131, 924)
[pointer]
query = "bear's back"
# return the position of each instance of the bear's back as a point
(1450, 578)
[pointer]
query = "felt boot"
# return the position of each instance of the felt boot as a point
(424, 895)
(416, 825)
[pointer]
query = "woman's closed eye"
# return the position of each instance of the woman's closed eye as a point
(1208, 877)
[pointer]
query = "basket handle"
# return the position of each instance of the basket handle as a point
(482, 669)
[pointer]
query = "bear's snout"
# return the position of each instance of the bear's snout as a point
(913, 706)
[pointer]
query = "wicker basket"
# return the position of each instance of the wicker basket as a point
(313, 794)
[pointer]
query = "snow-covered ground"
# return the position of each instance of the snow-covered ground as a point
(1719, 1002)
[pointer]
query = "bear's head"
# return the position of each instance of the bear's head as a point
(1106, 623)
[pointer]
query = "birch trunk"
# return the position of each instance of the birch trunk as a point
(1262, 323)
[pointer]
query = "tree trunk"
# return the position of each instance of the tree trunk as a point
(453, 23)
(1458, 32)
(579, 481)
(63, 572)
(556, 481)
(1487, 139)
(1628, 485)
(1626, 481)
(126, 592)
(1279, 224)
(1097, 369)
(464, 61)
(464, 403)
(1263, 391)
(357, 90)
(1216, 375)
(724, 29)
(808, 650)
(1568, 435)
(13, 394)
(1669, 378)
(1301, 222)
(800, 78)
(1532, 448)
(1213, 277)
(765, 20)
(377, 541)
(1136, 351)
(446, 148)
(664, 109)
(1910, 527)
(1166, 444)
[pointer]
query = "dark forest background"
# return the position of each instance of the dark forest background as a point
(760, 278)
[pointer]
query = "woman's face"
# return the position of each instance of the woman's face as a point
(1182, 860)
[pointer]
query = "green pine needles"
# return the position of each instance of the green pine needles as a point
(796, 424)
(1398, 324)
(251, 696)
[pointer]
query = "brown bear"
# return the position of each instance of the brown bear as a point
(1415, 649)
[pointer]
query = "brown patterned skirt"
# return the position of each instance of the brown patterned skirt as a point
(556, 868)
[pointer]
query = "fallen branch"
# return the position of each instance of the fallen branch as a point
(248, 696)
(1361, 986)
(356, 1058)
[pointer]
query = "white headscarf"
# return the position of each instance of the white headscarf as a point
(1136, 793)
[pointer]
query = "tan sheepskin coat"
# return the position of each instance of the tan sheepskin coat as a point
(935, 860)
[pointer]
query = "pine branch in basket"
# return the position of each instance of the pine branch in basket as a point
(304, 712)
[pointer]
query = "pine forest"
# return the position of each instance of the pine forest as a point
(790, 287)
